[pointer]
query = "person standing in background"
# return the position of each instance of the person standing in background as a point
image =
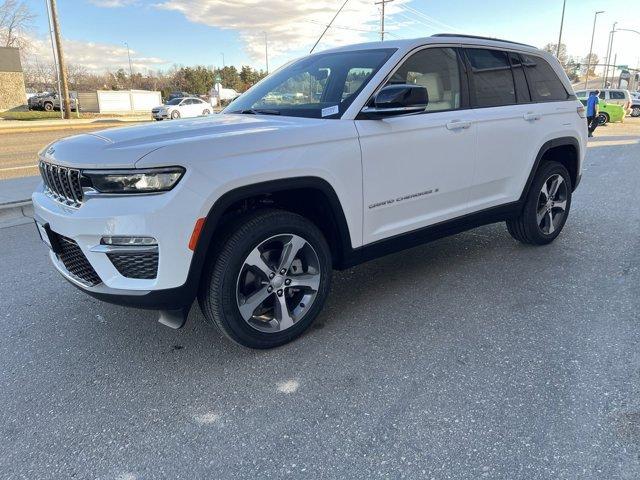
(592, 111)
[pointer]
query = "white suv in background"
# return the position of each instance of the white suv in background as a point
(181, 108)
(335, 159)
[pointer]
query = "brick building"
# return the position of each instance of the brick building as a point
(12, 92)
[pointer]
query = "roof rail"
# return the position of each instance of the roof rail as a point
(480, 38)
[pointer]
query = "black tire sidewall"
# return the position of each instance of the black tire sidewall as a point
(530, 209)
(227, 269)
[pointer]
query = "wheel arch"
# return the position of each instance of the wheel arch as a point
(320, 198)
(565, 150)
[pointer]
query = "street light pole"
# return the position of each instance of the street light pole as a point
(564, 4)
(222, 53)
(593, 32)
(266, 52)
(130, 69)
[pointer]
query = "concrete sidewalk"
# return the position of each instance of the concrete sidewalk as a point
(15, 200)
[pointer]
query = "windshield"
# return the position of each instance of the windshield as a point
(175, 101)
(318, 86)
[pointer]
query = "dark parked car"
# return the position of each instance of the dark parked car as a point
(50, 101)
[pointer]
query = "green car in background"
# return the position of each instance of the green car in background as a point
(609, 112)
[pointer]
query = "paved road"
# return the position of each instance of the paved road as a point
(19, 150)
(472, 357)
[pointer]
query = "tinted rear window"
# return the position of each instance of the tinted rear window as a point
(492, 81)
(544, 84)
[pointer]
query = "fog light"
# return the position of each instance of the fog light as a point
(128, 241)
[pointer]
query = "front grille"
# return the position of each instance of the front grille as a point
(75, 261)
(62, 183)
(135, 265)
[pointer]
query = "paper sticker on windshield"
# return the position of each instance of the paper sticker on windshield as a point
(330, 111)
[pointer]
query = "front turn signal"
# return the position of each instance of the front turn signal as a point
(195, 235)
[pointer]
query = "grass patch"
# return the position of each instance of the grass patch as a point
(30, 115)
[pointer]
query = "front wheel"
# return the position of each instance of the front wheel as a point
(206, 112)
(635, 112)
(546, 207)
(175, 114)
(269, 280)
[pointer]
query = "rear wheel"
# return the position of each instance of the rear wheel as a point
(48, 106)
(546, 206)
(206, 112)
(269, 280)
(603, 118)
(635, 112)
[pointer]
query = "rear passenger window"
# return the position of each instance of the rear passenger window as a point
(522, 89)
(616, 95)
(437, 70)
(544, 84)
(492, 81)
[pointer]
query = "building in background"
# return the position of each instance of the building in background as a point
(12, 91)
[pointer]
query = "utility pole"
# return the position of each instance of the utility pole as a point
(61, 65)
(609, 50)
(383, 3)
(53, 49)
(266, 52)
(593, 32)
(222, 53)
(130, 69)
(564, 4)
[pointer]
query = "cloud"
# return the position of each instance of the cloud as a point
(289, 25)
(95, 57)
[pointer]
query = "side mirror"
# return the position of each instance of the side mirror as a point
(398, 100)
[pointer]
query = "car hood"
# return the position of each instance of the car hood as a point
(124, 147)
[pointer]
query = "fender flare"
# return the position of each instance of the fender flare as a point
(553, 143)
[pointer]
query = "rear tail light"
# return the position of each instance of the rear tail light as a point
(582, 113)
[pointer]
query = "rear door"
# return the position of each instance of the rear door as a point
(519, 103)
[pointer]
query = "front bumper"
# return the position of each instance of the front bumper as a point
(162, 114)
(168, 217)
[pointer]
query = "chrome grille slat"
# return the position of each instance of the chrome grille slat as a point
(62, 183)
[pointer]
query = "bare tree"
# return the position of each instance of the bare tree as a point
(16, 19)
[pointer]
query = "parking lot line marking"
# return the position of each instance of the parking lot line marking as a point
(6, 169)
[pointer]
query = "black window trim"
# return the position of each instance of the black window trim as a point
(465, 103)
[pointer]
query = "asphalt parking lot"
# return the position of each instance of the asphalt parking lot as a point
(471, 357)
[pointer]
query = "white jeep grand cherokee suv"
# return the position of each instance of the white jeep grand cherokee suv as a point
(335, 159)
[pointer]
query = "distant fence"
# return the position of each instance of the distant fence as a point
(119, 101)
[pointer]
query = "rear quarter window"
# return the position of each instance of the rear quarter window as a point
(544, 84)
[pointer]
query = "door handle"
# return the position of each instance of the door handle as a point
(458, 125)
(530, 116)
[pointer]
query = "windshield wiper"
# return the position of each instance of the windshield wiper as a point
(258, 111)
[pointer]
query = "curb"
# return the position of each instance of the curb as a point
(16, 213)
(84, 126)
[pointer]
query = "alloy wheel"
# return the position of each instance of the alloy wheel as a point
(552, 204)
(277, 283)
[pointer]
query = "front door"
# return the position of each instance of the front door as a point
(418, 169)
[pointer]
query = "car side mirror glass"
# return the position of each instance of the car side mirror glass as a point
(398, 100)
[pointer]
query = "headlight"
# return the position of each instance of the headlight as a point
(133, 181)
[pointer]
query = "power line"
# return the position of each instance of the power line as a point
(327, 28)
(432, 20)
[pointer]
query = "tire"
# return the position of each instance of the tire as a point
(206, 112)
(542, 219)
(175, 114)
(231, 280)
(48, 107)
(603, 118)
(635, 112)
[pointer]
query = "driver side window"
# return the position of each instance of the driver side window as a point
(437, 70)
